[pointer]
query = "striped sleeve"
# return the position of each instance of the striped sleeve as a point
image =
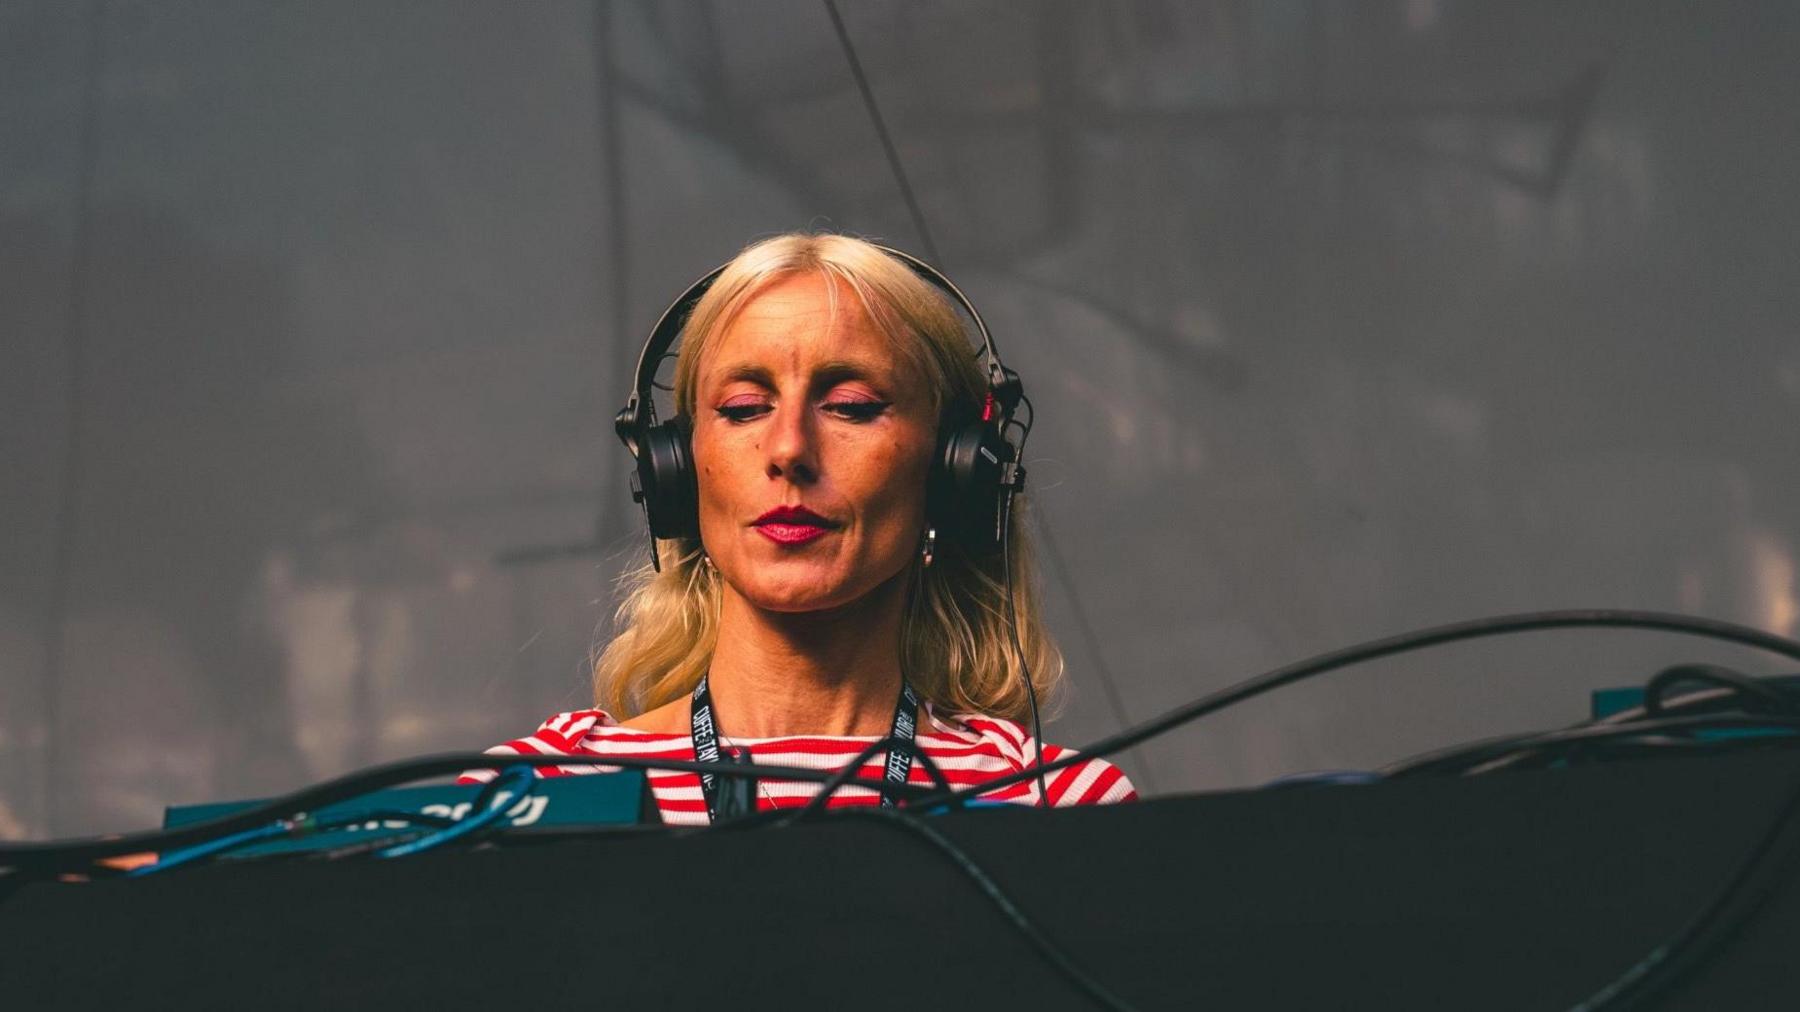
(558, 735)
(1089, 782)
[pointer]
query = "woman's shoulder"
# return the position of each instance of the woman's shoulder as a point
(582, 732)
(1084, 782)
(585, 730)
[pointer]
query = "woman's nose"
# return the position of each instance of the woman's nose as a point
(792, 446)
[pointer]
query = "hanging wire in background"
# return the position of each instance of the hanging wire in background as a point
(1059, 569)
(618, 233)
(56, 607)
(881, 131)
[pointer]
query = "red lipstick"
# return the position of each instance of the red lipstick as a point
(792, 525)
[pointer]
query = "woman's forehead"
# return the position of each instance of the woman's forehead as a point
(800, 322)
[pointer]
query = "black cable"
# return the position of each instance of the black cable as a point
(1700, 701)
(1685, 701)
(1734, 903)
(484, 813)
(1778, 700)
(848, 774)
(1647, 743)
(1012, 626)
(1514, 746)
(1492, 748)
(1656, 971)
(75, 854)
(1012, 615)
(1109, 683)
(484, 798)
(932, 769)
(1729, 909)
(1388, 646)
(1660, 967)
(1024, 925)
(280, 831)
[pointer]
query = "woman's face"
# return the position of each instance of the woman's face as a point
(812, 440)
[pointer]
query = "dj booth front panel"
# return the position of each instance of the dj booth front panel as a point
(1523, 891)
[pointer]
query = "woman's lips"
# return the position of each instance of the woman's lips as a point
(792, 525)
(792, 534)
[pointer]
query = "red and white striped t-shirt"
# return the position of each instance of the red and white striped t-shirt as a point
(969, 749)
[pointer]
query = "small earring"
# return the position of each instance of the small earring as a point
(929, 552)
(706, 560)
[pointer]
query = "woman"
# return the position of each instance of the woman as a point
(815, 377)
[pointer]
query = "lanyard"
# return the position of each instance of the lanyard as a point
(706, 748)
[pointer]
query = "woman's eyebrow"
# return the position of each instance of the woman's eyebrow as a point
(838, 370)
(823, 375)
(748, 372)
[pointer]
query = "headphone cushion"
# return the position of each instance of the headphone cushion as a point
(666, 474)
(964, 495)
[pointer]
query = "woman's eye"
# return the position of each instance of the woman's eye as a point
(740, 412)
(856, 411)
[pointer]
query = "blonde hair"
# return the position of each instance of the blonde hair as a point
(955, 638)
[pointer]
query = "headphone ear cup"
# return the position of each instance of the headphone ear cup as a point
(964, 495)
(666, 476)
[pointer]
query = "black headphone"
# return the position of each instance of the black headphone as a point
(974, 475)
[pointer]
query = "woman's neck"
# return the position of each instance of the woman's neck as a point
(835, 672)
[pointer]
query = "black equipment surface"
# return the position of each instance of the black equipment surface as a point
(1512, 891)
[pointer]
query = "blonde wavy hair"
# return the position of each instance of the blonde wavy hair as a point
(955, 642)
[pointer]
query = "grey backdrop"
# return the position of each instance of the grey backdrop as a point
(1341, 318)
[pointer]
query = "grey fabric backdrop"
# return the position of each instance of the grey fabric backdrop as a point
(1341, 318)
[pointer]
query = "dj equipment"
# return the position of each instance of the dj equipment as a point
(974, 474)
(1505, 892)
(1603, 703)
(558, 804)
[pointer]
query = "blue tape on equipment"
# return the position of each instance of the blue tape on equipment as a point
(596, 799)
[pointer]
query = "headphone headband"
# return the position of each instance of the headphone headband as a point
(639, 411)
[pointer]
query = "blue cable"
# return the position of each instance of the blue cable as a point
(1339, 777)
(519, 778)
(304, 825)
(211, 847)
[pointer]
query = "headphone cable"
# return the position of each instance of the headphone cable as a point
(1012, 625)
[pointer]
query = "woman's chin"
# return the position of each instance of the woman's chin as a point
(795, 590)
(798, 599)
